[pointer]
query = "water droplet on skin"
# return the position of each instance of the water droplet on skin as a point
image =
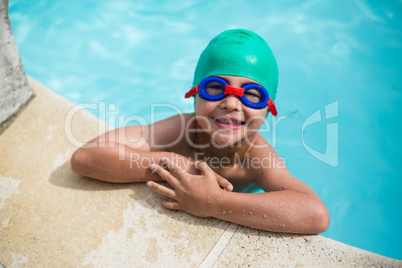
(224, 212)
(244, 210)
(230, 212)
(265, 215)
(251, 212)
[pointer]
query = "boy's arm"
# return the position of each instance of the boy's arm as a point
(121, 165)
(293, 206)
(124, 154)
(286, 211)
(289, 205)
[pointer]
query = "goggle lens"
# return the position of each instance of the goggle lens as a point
(253, 95)
(214, 88)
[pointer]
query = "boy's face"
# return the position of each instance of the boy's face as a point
(229, 120)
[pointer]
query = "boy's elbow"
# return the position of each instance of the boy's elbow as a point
(78, 161)
(321, 219)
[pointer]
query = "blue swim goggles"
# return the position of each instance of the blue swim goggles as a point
(252, 95)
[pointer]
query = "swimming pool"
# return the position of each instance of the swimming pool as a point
(340, 61)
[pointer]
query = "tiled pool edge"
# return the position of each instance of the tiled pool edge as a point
(35, 167)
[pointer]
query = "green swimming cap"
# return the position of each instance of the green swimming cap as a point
(239, 53)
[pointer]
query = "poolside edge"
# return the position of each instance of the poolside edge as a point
(48, 213)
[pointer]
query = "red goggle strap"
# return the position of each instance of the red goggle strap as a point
(272, 107)
(234, 90)
(193, 91)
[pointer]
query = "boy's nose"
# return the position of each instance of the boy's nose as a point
(231, 102)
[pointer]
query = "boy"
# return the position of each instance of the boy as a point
(234, 86)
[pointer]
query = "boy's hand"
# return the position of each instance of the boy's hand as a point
(194, 194)
(192, 169)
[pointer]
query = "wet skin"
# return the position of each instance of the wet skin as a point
(230, 129)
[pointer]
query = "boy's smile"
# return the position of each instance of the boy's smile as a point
(228, 120)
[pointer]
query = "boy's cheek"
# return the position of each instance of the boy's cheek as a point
(203, 122)
(255, 122)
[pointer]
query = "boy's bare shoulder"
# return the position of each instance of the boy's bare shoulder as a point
(171, 125)
(260, 146)
(168, 133)
(175, 124)
(272, 173)
(264, 155)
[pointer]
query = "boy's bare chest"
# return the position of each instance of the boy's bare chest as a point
(239, 177)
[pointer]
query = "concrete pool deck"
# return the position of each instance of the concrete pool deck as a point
(50, 216)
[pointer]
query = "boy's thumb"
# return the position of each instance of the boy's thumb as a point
(203, 167)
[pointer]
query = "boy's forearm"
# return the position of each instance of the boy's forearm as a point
(120, 166)
(279, 211)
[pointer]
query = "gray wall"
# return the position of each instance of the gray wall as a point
(14, 88)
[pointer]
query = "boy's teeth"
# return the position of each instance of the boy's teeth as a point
(228, 122)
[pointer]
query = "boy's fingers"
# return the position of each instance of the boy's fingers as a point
(173, 168)
(172, 205)
(164, 174)
(163, 190)
(224, 183)
(204, 168)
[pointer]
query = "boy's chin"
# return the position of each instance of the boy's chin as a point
(223, 141)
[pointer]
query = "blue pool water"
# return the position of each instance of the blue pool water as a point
(340, 60)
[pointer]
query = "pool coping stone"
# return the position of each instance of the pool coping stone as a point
(48, 213)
